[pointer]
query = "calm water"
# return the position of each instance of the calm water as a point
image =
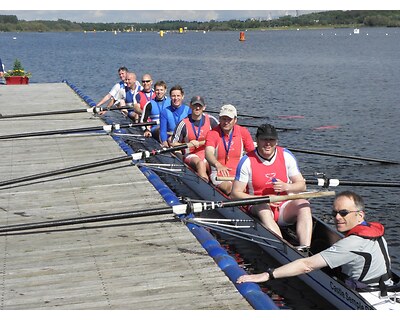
(331, 77)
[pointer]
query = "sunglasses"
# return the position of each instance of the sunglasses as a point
(146, 81)
(343, 212)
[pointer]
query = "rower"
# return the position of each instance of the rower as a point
(193, 130)
(153, 109)
(225, 145)
(273, 170)
(143, 97)
(172, 114)
(362, 253)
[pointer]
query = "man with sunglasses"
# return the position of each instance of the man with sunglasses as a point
(362, 254)
(142, 97)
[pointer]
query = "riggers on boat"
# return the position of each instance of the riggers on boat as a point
(324, 282)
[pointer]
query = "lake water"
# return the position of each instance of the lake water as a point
(346, 82)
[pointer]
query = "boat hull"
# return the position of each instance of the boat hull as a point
(323, 281)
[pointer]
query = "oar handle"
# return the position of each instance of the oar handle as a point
(225, 178)
(96, 110)
(305, 195)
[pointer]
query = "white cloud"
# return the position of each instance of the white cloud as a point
(200, 5)
(145, 16)
(205, 10)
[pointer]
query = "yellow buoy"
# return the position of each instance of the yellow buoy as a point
(180, 30)
(161, 33)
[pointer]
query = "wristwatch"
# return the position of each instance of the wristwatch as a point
(270, 272)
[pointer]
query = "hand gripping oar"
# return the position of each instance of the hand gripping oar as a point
(322, 153)
(177, 210)
(106, 128)
(134, 157)
(49, 113)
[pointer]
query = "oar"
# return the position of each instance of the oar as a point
(48, 113)
(324, 182)
(88, 219)
(258, 117)
(291, 129)
(211, 205)
(106, 128)
(177, 210)
(336, 182)
(277, 128)
(134, 157)
(329, 154)
(239, 115)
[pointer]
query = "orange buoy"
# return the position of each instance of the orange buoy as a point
(242, 37)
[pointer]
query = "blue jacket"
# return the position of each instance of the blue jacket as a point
(169, 119)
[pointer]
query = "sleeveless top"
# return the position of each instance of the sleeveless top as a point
(197, 133)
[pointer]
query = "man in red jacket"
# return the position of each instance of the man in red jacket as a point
(225, 145)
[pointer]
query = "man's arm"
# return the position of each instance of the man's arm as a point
(104, 100)
(294, 268)
(238, 190)
(136, 104)
(163, 128)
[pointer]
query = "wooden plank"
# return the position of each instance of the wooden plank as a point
(137, 264)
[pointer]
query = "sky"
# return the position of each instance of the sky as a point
(188, 10)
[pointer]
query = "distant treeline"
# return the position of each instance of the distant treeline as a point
(323, 19)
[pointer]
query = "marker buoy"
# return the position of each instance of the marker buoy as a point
(242, 37)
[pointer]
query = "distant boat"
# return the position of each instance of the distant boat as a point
(356, 31)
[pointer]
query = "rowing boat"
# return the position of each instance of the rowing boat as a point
(324, 281)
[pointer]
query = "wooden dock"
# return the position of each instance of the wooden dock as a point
(148, 263)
